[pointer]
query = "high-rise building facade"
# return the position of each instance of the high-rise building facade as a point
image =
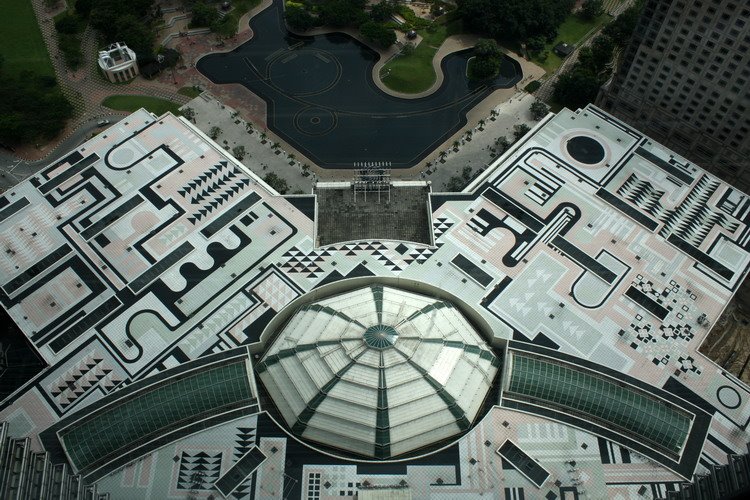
(684, 80)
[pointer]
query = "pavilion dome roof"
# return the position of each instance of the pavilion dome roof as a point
(378, 371)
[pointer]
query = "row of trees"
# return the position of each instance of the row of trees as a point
(32, 108)
(515, 20)
(374, 26)
(580, 85)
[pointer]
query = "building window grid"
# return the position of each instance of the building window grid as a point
(147, 414)
(599, 398)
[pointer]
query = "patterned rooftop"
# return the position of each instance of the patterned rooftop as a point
(149, 247)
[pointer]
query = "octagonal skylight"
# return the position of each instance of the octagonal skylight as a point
(378, 371)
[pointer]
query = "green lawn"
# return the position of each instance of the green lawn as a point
(135, 102)
(414, 73)
(572, 31)
(21, 43)
(191, 92)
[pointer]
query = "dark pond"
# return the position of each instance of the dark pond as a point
(322, 100)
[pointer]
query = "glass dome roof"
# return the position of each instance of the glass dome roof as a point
(378, 371)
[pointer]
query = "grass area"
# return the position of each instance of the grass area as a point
(572, 31)
(413, 73)
(191, 92)
(241, 7)
(21, 43)
(135, 102)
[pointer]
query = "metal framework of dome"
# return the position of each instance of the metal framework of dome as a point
(378, 371)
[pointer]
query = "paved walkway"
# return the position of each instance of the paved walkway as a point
(86, 88)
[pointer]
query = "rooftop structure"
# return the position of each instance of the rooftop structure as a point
(398, 211)
(158, 277)
(685, 81)
(378, 371)
(118, 62)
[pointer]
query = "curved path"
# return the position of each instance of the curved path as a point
(85, 89)
(322, 99)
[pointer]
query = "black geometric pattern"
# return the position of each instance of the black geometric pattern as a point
(692, 220)
(245, 440)
(642, 194)
(440, 226)
(87, 373)
(421, 254)
(298, 261)
(198, 471)
(687, 364)
(213, 188)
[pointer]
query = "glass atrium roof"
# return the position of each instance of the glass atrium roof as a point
(620, 406)
(378, 371)
(154, 411)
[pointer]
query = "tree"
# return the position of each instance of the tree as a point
(343, 12)
(514, 19)
(502, 144)
(203, 15)
(535, 44)
(519, 131)
(68, 24)
(538, 110)
(384, 10)
(83, 7)
(378, 34)
(276, 182)
(598, 55)
(239, 152)
(214, 133)
(32, 108)
(591, 9)
(487, 47)
(136, 35)
(459, 182)
(576, 88)
(188, 113)
(621, 28)
(481, 68)
(298, 18)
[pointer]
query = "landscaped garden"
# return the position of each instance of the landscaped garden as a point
(412, 72)
(33, 106)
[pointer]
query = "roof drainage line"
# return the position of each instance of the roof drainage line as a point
(382, 422)
(472, 349)
(332, 312)
(377, 293)
(304, 417)
(287, 353)
(432, 307)
(458, 412)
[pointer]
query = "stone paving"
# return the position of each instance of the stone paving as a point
(261, 157)
(478, 152)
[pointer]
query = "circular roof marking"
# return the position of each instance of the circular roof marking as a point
(585, 149)
(380, 336)
(728, 396)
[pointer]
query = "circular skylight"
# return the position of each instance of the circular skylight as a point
(380, 336)
(378, 371)
(585, 149)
